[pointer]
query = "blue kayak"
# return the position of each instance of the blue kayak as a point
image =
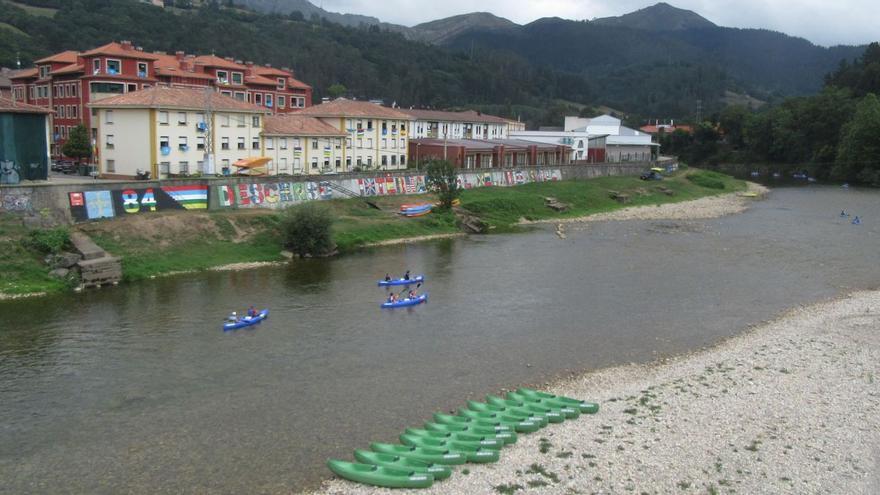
(247, 321)
(401, 281)
(406, 302)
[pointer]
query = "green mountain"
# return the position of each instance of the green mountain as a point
(660, 17)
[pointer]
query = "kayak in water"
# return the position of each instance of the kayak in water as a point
(245, 321)
(402, 281)
(406, 302)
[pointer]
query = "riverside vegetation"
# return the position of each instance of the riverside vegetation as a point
(172, 242)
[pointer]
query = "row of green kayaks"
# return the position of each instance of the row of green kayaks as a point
(476, 434)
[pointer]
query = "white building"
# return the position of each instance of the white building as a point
(376, 137)
(299, 144)
(166, 131)
(437, 124)
(585, 147)
(622, 144)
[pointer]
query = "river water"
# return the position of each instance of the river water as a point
(137, 389)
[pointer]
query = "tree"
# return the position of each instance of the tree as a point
(337, 90)
(77, 144)
(860, 144)
(305, 230)
(443, 180)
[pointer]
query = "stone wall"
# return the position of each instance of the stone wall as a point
(77, 202)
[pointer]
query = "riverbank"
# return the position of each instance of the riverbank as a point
(166, 243)
(791, 406)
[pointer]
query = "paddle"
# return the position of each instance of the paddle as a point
(407, 288)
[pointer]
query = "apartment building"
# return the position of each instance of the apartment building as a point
(174, 131)
(377, 137)
(299, 144)
(69, 81)
(437, 124)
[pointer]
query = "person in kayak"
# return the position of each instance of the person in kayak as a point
(412, 294)
(233, 318)
(251, 312)
(387, 277)
(406, 275)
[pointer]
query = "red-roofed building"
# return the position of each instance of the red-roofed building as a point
(68, 81)
(667, 128)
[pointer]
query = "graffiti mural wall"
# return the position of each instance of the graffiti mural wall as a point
(13, 200)
(92, 205)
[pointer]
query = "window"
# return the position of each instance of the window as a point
(108, 142)
(384, 143)
(297, 165)
(239, 95)
(163, 118)
(164, 142)
(281, 83)
(359, 162)
(96, 65)
(164, 168)
(108, 116)
(314, 163)
(114, 67)
(226, 93)
(181, 118)
(403, 159)
(384, 128)
(44, 72)
(73, 90)
(222, 77)
(348, 143)
(200, 166)
(360, 143)
(301, 102)
(142, 69)
(182, 144)
(370, 143)
(402, 143)
(184, 167)
(347, 162)
(75, 109)
(224, 163)
(384, 160)
(270, 143)
(338, 143)
(338, 163)
(200, 142)
(268, 100)
(282, 143)
(111, 166)
(255, 143)
(59, 111)
(314, 144)
(132, 88)
(369, 125)
(394, 143)
(224, 143)
(326, 164)
(241, 145)
(282, 101)
(394, 160)
(200, 118)
(224, 120)
(258, 98)
(237, 78)
(369, 161)
(282, 167)
(255, 121)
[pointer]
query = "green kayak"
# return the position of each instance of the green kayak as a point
(569, 411)
(473, 451)
(508, 437)
(513, 412)
(553, 416)
(379, 475)
(434, 456)
(438, 471)
(518, 424)
(449, 419)
(584, 406)
(489, 443)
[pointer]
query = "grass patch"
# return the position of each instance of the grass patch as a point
(34, 10)
(21, 260)
(509, 488)
(537, 483)
(541, 470)
(544, 445)
(708, 179)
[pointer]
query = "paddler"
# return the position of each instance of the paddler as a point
(406, 275)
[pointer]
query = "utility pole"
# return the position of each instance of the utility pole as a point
(208, 130)
(699, 111)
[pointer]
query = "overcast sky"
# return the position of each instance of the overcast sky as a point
(824, 22)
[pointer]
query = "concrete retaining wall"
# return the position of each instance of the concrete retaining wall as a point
(76, 202)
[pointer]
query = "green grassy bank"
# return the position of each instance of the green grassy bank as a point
(160, 243)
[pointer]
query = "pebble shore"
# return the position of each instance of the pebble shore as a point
(790, 406)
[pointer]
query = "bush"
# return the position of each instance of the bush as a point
(442, 178)
(305, 230)
(709, 180)
(49, 241)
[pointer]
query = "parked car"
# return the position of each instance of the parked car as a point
(651, 175)
(64, 166)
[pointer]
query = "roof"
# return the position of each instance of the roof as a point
(298, 125)
(5, 82)
(8, 105)
(67, 57)
(25, 73)
(263, 81)
(445, 116)
(654, 129)
(215, 61)
(271, 71)
(117, 50)
(178, 98)
(342, 107)
(69, 69)
(486, 144)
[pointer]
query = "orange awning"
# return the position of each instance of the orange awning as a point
(253, 165)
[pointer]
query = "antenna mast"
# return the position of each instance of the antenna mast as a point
(207, 127)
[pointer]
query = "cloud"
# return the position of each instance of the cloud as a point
(820, 21)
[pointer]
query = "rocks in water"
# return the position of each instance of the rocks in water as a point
(470, 223)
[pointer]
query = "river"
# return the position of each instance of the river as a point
(137, 389)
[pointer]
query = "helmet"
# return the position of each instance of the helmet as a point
(234, 313)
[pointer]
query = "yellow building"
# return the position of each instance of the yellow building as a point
(174, 132)
(299, 144)
(376, 137)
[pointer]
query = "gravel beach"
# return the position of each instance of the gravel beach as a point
(790, 406)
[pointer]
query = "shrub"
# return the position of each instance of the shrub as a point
(305, 230)
(709, 180)
(442, 178)
(48, 241)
